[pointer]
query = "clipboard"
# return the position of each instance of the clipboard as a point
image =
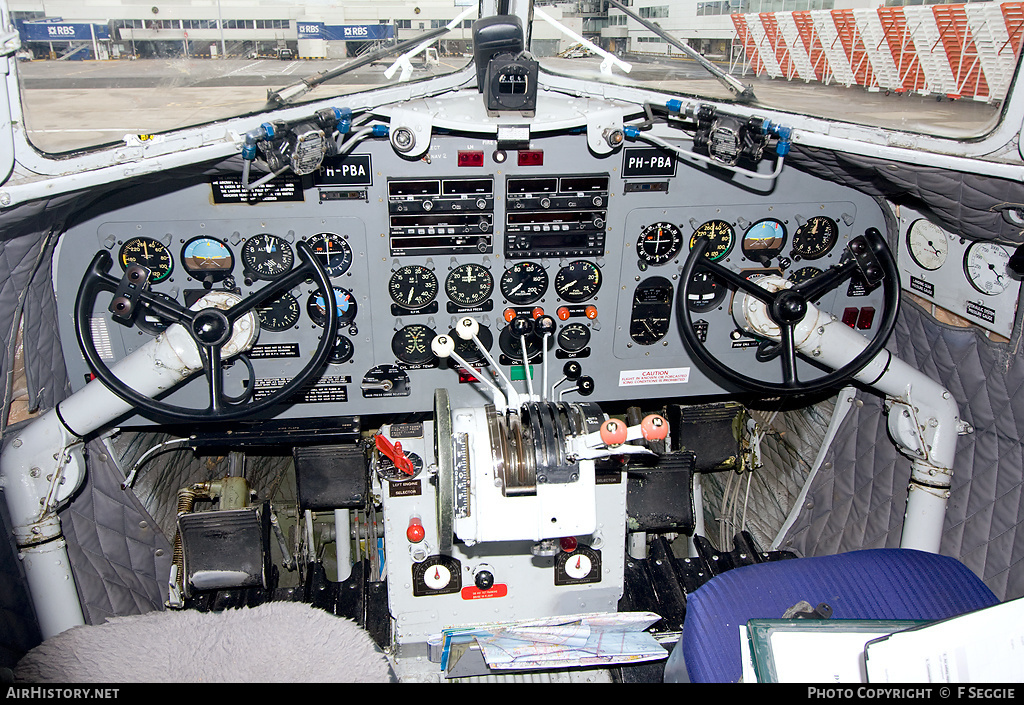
(815, 650)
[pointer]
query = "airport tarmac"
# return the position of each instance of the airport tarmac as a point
(76, 104)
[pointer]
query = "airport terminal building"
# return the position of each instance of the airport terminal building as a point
(276, 28)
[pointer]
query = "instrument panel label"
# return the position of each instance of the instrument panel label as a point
(353, 170)
(647, 161)
(228, 189)
(981, 311)
(668, 375)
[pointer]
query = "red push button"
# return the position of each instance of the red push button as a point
(563, 313)
(591, 312)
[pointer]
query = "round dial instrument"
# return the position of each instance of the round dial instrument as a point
(578, 281)
(928, 244)
(343, 299)
(815, 238)
(469, 285)
(764, 240)
(658, 243)
(524, 283)
(207, 259)
(706, 292)
(573, 337)
(267, 256)
(332, 251)
(280, 314)
(413, 286)
(985, 267)
(342, 351)
(149, 253)
(411, 344)
(798, 276)
(722, 236)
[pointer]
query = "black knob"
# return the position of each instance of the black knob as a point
(521, 326)
(585, 385)
(572, 370)
(1016, 263)
(545, 325)
(484, 579)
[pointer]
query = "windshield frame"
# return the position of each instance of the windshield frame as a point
(992, 153)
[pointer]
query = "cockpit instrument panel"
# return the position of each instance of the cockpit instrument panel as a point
(433, 240)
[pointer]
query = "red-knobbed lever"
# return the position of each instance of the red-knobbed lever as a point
(395, 453)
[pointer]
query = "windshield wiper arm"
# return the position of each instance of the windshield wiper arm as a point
(744, 93)
(282, 96)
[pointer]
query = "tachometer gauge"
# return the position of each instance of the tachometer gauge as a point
(524, 283)
(469, 285)
(815, 238)
(722, 236)
(207, 259)
(578, 281)
(344, 300)
(332, 251)
(411, 344)
(985, 267)
(658, 243)
(267, 256)
(149, 253)
(706, 292)
(280, 314)
(413, 286)
(764, 240)
(803, 274)
(928, 244)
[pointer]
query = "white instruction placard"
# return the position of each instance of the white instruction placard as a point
(666, 375)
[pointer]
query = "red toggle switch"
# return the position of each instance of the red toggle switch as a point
(394, 452)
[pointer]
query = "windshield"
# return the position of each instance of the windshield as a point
(99, 71)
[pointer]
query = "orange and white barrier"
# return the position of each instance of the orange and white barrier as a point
(958, 51)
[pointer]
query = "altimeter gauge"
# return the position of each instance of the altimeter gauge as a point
(267, 256)
(928, 244)
(985, 267)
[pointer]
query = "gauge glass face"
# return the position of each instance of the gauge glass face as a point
(928, 244)
(578, 281)
(280, 314)
(149, 253)
(659, 243)
(722, 236)
(798, 276)
(268, 256)
(764, 240)
(815, 238)
(469, 285)
(573, 337)
(411, 344)
(524, 283)
(332, 251)
(985, 267)
(346, 304)
(468, 350)
(342, 351)
(706, 292)
(207, 258)
(413, 286)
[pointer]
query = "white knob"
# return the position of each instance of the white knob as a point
(467, 328)
(442, 346)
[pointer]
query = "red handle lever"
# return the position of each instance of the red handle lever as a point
(395, 453)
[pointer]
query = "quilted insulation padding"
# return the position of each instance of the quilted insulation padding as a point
(858, 497)
(967, 204)
(120, 558)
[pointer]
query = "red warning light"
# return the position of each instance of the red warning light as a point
(531, 157)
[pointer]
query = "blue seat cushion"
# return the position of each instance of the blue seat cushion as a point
(870, 584)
